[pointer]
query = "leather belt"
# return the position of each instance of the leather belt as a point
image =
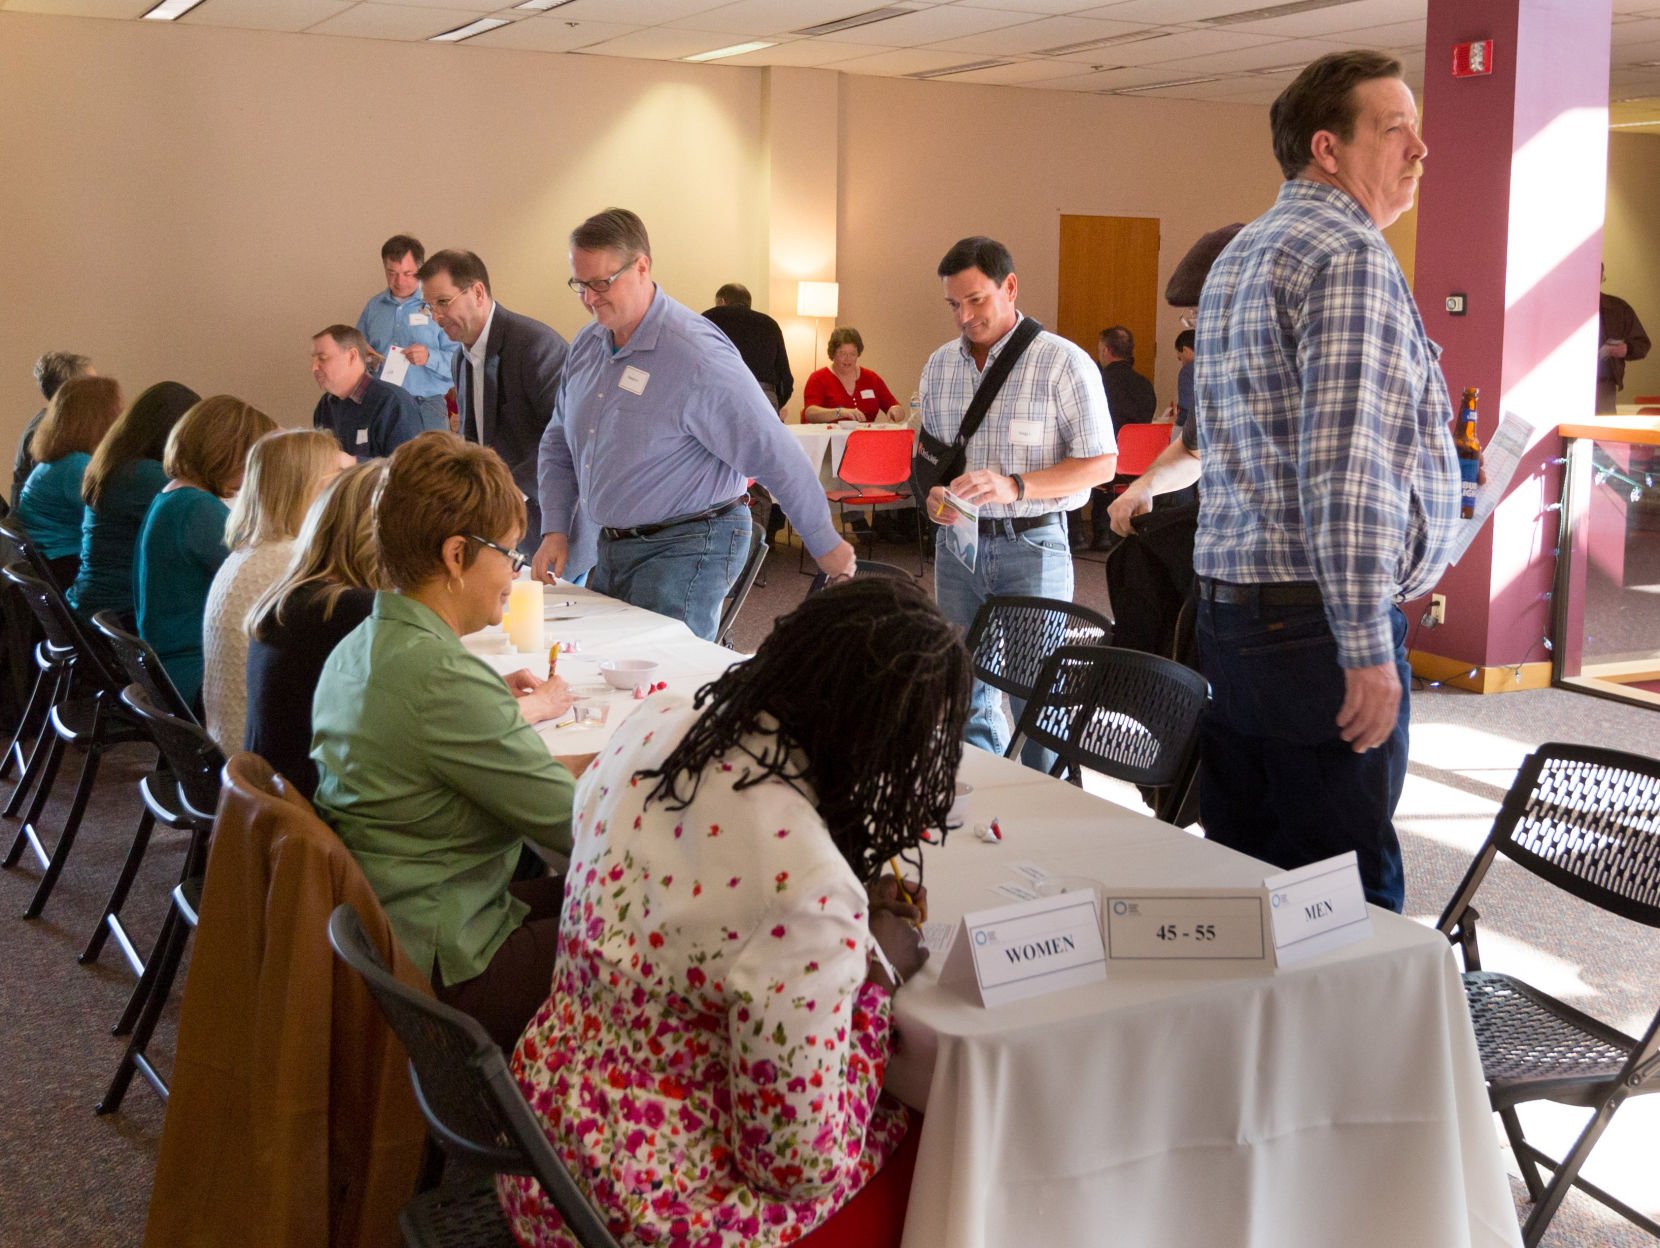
(646, 530)
(1020, 524)
(1267, 594)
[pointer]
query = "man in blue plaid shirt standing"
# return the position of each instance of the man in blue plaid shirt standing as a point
(1329, 488)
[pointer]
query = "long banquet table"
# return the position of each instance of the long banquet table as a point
(1339, 1102)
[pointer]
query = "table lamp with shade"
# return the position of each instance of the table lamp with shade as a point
(817, 300)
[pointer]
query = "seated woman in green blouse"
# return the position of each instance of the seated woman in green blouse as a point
(182, 542)
(124, 476)
(49, 506)
(427, 763)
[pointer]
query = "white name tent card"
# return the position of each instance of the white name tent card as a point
(1026, 949)
(1215, 931)
(1318, 907)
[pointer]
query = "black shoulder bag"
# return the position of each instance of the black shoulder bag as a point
(937, 462)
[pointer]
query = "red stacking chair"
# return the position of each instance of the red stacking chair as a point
(877, 464)
(1139, 446)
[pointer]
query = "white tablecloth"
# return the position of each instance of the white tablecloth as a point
(1336, 1103)
(1339, 1103)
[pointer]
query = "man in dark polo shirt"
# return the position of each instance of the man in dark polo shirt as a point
(759, 341)
(370, 418)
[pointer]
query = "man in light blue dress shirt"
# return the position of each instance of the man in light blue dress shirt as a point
(656, 426)
(398, 317)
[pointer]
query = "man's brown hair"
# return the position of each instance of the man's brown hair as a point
(1322, 98)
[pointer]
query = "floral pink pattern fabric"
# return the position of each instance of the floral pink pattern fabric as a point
(711, 1057)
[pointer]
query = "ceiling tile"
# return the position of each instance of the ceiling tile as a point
(930, 25)
(1285, 55)
(1353, 15)
(1170, 12)
(265, 14)
(394, 21)
(635, 12)
(760, 18)
(1184, 44)
(551, 34)
(82, 8)
(1040, 35)
(1047, 7)
(475, 6)
(803, 53)
(1018, 73)
(900, 61)
(1643, 30)
(1392, 35)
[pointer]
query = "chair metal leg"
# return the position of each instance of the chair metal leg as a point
(109, 923)
(1523, 1153)
(28, 727)
(27, 835)
(1567, 1171)
(71, 828)
(42, 744)
(164, 960)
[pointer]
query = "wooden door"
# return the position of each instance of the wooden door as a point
(1110, 276)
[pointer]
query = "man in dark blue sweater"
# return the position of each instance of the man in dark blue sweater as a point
(369, 417)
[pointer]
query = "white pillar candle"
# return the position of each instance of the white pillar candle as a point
(523, 618)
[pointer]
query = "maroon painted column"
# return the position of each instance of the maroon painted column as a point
(1510, 215)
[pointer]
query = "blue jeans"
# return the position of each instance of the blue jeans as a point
(1276, 781)
(684, 571)
(435, 413)
(1037, 563)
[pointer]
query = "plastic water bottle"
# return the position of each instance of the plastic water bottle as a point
(913, 410)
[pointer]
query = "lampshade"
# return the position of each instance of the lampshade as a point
(817, 299)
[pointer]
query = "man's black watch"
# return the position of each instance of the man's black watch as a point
(1019, 486)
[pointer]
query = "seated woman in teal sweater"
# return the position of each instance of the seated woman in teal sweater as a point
(124, 476)
(49, 505)
(182, 542)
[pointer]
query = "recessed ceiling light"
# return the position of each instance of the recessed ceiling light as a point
(968, 68)
(469, 30)
(737, 49)
(167, 10)
(540, 6)
(1159, 86)
(858, 19)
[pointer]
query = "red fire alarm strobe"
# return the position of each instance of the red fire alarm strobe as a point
(1472, 59)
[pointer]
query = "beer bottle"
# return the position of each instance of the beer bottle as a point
(1469, 451)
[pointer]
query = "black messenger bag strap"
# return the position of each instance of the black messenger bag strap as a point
(936, 461)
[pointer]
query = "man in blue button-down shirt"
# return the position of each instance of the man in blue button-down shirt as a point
(655, 427)
(1329, 486)
(398, 317)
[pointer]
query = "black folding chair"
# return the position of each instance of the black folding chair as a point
(473, 1108)
(746, 581)
(159, 791)
(197, 761)
(863, 568)
(1012, 638)
(1588, 821)
(90, 717)
(23, 640)
(1125, 714)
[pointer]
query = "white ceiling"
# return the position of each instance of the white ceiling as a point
(1030, 43)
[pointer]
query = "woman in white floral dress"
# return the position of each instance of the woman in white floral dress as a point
(709, 1064)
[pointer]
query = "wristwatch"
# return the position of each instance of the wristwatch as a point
(1019, 486)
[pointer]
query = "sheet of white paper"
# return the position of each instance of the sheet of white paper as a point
(396, 367)
(936, 937)
(962, 535)
(1503, 453)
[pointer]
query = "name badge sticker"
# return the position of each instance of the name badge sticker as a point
(634, 380)
(1317, 908)
(363, 436)
(419, 318)
(867, 394)
(1210, 932)
(1025, 433)
(1027, 949)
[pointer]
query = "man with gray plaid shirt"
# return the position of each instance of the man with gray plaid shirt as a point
(1045, 440)
(1329, 487)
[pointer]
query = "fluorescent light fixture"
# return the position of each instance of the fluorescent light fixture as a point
(167, 10)
(1159, 86)
(1271, 71)
(858, 19)
(969, 68)
(540, 6)
(817, 299)
(1134, 36)
(1271, 12)
(737, 49)
(469, 30)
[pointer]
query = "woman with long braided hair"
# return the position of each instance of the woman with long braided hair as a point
(710, 1060)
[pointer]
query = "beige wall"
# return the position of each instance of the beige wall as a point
(1628, 244)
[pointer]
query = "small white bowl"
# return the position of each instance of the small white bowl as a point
(626, 673)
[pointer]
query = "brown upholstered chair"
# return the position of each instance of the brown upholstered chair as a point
(291, 1121)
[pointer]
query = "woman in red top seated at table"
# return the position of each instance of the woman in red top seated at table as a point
(710, 1061)
(844, 391)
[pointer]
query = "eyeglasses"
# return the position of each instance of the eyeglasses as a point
(443, 304)
(598, 285)
(513, 557)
